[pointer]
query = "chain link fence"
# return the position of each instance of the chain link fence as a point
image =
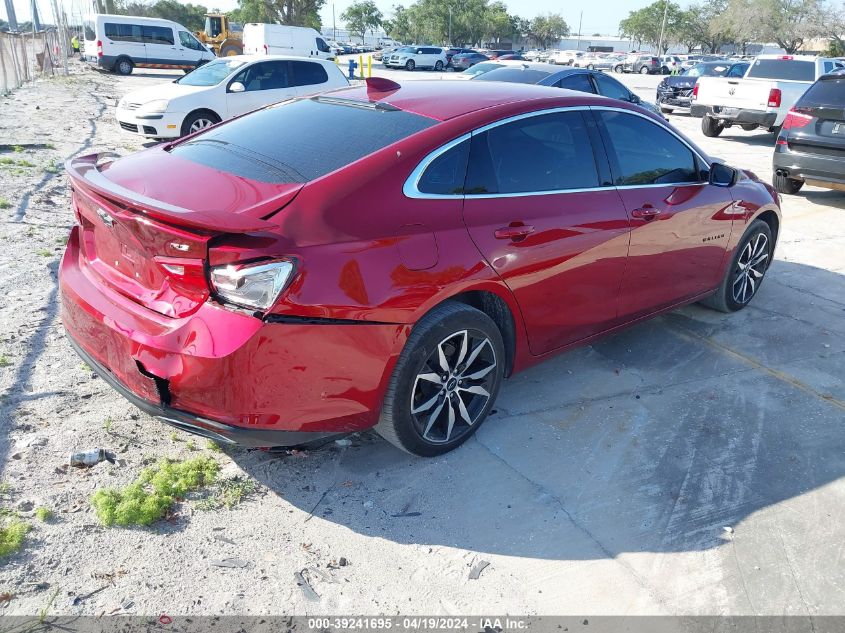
(26, 56)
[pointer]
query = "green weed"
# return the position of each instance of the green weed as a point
(4, 361)
(43, 514)
(228, 493)
(45, 252)
(5, 204)
(152, 495)
(12, 535)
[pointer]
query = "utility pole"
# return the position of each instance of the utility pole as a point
(334, 25)
(580, 20)
(663, 27)
(450, 25)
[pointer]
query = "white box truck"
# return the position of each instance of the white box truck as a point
(279, 39)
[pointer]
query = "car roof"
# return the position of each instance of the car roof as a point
(443, 100)
(265, 58)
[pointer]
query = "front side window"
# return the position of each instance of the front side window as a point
(189, 41)
(322, 46)
(445, 175)
(158, 35)
(645, 153)
(308, 74)
(549, 152)
(264, 76)
(123, 32)
(578, 81)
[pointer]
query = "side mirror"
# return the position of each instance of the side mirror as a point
(722, 175)
(237, 86)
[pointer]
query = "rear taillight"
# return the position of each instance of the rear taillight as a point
(796, 119)
(695, 92)
(252, 285)
(774, 98)
(99, 48)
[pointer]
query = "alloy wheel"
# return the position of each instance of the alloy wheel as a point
(750, 268)
(453, 387)
(201, 124)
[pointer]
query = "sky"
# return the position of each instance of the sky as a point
(599, 17)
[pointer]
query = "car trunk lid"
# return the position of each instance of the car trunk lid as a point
(147, 238)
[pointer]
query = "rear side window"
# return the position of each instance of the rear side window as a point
(123, 32)
(264, 76)
(445, 175)
(784, 69)
(308, 74)
(550, 152)
(825, 92)
(645, 153)
(158, 35)
(611, 88)
(579, 81)
(89, 31)
(297, 141)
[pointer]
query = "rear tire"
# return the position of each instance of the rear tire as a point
(425, 415)
(711, 127)
(123, 66)
(749, 127)
(746, 272)
(229, 50)
(644, 70)
(438, 66)
(617, 68)
(785, 184)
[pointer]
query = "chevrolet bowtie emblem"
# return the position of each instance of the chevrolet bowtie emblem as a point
(106, 218)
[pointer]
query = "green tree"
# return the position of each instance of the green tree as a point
(790, 23)
(362, 16)
(646, 25)
(189, 15)
(398, 27)
(291, 12)
(547, 29)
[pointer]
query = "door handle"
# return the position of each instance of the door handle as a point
(645, 213)
(515, 233)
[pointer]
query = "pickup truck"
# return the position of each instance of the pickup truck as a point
(762, 97)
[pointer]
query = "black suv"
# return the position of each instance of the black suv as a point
(811, 144)
(647, 65)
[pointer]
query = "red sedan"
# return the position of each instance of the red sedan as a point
(384, 256)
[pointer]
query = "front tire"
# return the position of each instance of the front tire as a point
(745, 274)
(410, 65)
(617, 68)
(711, 127)
(445, 381)
(644, 70)
(787, 185)
(748, 127)
(666, 110)
(197, 121)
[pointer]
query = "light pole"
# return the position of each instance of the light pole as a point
(450, 25)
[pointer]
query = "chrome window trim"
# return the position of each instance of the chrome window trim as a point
(410, 188)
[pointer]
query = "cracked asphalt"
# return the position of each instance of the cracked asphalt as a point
(692, 464)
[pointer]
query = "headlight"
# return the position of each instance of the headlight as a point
(255, 285)
(158, 106)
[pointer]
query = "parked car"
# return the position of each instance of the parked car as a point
(276, 304)
(413, 57)
(626, 63)
(646, 65)
(565, 58)
(222, 89)
(580, 79)
(511, 57)
(451, 52)
(675, 91)
(594, 61)
(533, 55)
(771, 86)
(121, 43)
(670, 64)
(811, 145)
(478, 69)
(496, 54)
(462, 61)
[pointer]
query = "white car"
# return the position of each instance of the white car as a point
(223, 89)
(567, 58)
(413, 57)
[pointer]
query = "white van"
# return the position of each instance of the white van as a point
(120, 43)
(279, 39)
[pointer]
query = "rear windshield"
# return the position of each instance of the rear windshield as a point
(514, 75)
(297, 141)
(784, 69)
(825, 92)
(483, 67)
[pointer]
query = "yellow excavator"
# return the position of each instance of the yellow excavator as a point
(223, 36)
